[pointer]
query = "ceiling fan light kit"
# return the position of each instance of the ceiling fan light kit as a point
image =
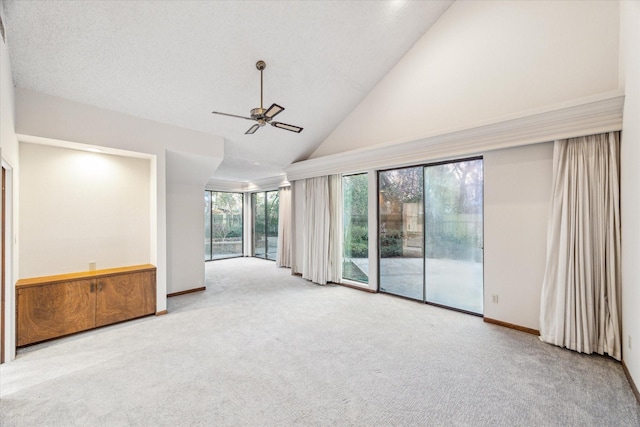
(261, 115)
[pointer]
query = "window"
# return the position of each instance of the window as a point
(355, 228)
(264, 206)
(222, 225)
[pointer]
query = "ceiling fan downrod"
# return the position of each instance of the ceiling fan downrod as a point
(258, 113)
(261, 65)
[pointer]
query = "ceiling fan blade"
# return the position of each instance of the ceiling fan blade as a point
(232, 115)
(285, 126)
(252, 129)
(273, 111)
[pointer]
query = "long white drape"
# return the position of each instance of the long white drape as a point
(315, 261)
(296, 226)
(580, 305)
(283, 256)
(321, 239)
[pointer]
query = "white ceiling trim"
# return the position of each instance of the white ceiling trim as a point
(265, 184)
(592, 115)
(100, 149)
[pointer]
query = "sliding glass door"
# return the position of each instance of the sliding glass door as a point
(431, 241)
(207, 226)
(258, 206)
(265, 207)
(401, 232)
(222, 225)
(453, 235)
(272, 208)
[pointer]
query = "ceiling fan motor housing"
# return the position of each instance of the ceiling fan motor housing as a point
(258, 113)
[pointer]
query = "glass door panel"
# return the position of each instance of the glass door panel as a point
(259, 221)
(226, 224)
(453, 235)
(401, 232)
(355, 233)
(207, 225)
(273, 205)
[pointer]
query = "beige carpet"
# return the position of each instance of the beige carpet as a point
(261, 347)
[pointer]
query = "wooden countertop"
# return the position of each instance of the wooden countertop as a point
(36, 281)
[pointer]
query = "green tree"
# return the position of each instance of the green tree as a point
(226, 209)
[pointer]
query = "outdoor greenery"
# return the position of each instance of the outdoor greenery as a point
(451, 224)
(226, 211)
(266, 207)
(223, 224)
(391, 244)
(356, 225)
(356, 242)
(355, 216)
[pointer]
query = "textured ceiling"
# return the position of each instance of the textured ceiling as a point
(176, 61)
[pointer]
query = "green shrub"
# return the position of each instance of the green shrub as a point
(356, 244)
(391, 244)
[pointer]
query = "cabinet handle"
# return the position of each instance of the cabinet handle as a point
(99, 286)
(92, 288)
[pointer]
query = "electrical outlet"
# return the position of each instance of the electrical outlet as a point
(92, 265)
(494, 298)
(629, 342)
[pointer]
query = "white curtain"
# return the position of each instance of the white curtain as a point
(322, 247)
(296, 225)
(315, 262)
(580, 305)
(283, 256)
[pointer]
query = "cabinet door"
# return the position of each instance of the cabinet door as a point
(125, 296)
(50, 311)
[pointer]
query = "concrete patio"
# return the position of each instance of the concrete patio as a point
(457, 284)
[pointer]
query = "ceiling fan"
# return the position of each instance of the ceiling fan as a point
(261, 115)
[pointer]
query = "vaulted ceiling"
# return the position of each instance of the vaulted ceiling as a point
(176, 61)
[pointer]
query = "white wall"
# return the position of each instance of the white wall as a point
(630, 185)
(9, 154)
(484, 60)
(78, 206)
(187, 176)
(8, 140)
(517, 190)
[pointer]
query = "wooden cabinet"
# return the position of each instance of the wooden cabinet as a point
(53, 306)
(125, 296)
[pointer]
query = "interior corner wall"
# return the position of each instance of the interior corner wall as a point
(187, 176)
(482, 61)
(8, 139)
(9, 158)
(78, 206)
(185, 238)
(517, 191)
(630, 187)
